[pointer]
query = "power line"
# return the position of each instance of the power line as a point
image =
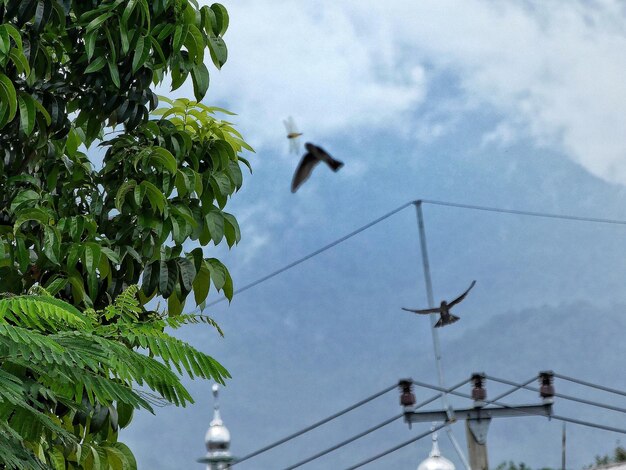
(563, 396)
(315, 253)
(524, 212)
(370, 430)
(398, 447)
(587, 423)
(346, 442)
(404, 206)
(589, 384)
(315, 425)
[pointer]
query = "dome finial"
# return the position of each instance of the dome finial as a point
(435, 452)
(216, 404)
(435, 460)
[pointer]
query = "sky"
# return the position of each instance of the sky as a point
(515, 104)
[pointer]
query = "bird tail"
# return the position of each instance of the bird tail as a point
(335, 164)
(448, 321)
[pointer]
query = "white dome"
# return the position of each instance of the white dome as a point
(217, 437)
(435, 461)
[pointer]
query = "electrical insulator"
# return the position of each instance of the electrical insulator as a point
(407, 398)
(547, 389)
(479, 394)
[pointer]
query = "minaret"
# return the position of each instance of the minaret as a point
(217, 440)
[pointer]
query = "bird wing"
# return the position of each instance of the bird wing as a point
(294, 145)
(305, 167)
(425, 311)
(324, 156)
(290, 125)
(462, 296)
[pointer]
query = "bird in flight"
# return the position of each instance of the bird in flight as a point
(444, 309)
(292, 135)
(311, 158)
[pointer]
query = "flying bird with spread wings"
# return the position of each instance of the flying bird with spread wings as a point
(311, 158)
(293, 135)
(444, 309)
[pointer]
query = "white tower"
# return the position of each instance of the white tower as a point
(435, 461)
(217, 440)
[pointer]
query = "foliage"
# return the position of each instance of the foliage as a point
(65, 375)
(88, 234)
(69, 69)
(510, 465)
(619, 455)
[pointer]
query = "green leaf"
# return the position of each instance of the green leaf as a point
(187, 273)
(128, 11)
(218, 50)
(150, 281)
(97, 22)
(54, 286)
(52, 244)
(124, 38)
(221, 17)
(122, 192)
(20, 61)
(8, 100)
(165, 158)
(231, 229)
(156, 197)
(56, 459)
(215, 223)
(90, 44)
(27, 197)
(96, 65)
(200, 79)
(168, 277)
(27, 113)
(36, 215)
(201, 284)
(124, 414)
(142, 50)
(5, 41)
(92, 257)
(44, 112)
(115, 74)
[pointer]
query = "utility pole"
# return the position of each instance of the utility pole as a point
(476, 431)
(479, 416)
(435, 335)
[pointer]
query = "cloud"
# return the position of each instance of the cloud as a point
(551, 70)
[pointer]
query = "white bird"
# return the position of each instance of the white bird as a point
(292, 135)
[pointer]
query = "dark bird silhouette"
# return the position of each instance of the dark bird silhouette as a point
(444, 309)
(311, 158)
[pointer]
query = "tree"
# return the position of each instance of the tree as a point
(69, 69)
(619, 455)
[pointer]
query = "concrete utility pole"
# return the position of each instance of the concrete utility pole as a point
(477, 450)
(479, 417)
(435, 335)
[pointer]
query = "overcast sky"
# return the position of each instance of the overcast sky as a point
(516, 104)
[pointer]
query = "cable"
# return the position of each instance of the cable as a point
(404, 206)
(311, 255)
(587, 423)
(368, 431)
(313, 426)
(565, 397)
(589, 384)
(523, 212)
(346, 442)
(398, 447)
